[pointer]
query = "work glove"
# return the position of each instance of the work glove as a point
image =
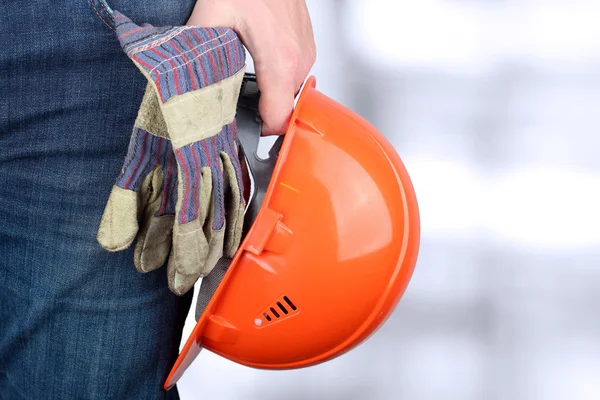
(195, 75)
(145, 191)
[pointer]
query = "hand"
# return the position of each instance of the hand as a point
(279, 36)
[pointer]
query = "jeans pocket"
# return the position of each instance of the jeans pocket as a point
(153, 12)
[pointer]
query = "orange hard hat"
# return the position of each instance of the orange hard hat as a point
(330, 243)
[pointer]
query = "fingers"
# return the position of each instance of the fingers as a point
(279, 36)
(282, 61)
(277, 98)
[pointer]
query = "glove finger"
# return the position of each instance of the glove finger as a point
(155, 234)
(154, 243)
(215, 223)
(190, 245)
(185, 267)
(119, 223)
(188, 255)
(234, 188)
(179, 283)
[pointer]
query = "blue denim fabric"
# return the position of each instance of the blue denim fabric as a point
(76, 322)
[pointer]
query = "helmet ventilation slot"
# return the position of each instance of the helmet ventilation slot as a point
(282, 308)
(289, 302)
(278, 310)
(274, 312)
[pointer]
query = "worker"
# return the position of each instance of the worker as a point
(83, 92)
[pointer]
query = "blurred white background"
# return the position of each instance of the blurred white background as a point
(494, 106)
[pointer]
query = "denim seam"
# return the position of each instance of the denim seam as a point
(100, 16)
(104, 5)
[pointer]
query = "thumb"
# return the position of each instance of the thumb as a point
(276, 100)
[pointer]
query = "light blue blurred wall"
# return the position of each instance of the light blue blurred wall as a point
(495, 108)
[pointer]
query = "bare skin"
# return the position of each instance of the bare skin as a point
(279, 36)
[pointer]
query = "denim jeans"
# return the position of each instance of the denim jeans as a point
(76, 322)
